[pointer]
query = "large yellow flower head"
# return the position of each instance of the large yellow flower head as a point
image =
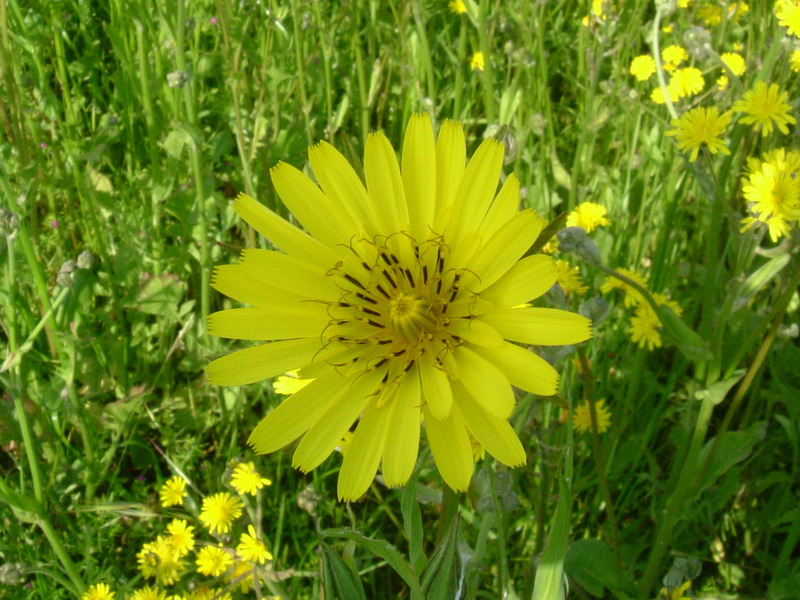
(788, 13)
(701, 126)
(401, 300)
(765, 104)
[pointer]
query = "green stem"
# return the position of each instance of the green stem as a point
(501, 536)
(66, 562)
(487, 76)
(300, 65)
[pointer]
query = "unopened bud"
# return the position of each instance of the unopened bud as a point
(85, 260)
(575, 240)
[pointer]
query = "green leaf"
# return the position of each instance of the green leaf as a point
(684, 337)
(591, 564)
(549, 582)
(440, 578)
(548, 232)
(382, 549)
(160, 295)
(412, 523)
(733, 448)
(339, 579)
(716, 392)
(759, 279)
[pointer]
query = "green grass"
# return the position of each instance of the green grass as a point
(129, 126)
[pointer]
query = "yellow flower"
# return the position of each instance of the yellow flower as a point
(644, 327)
(788, 13)
(401, 300)
(251, 548)
(794, 61)
(657, 95)
(246, 480)
(683, 4)
(219, 511)
(763, 105)
(735, 62)
(589, 216)
(213, 561)
(642, 67)
(288, 384)
(204, 592)
(582, 417)
(477, 62)
(722, 82)
(148, 593)
(243, 574)
(160, 559)
(711, 14)
(772, 190)
(673, 56)
(98, 591)
(632, 296)
(173, 492)
(569, 278)
(181, 537)
(700, 126)
(687, 82)
(676, 593)
(457, 6)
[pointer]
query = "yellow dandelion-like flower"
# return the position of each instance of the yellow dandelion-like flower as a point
(736, 10)
(288, 384)
(589, 216)
(701, 126)
(643, 67)
(219, 511)
(173, 492)
(582, 417)
(735, 62)
(204, 592)
(569, 278)
(213, 561)
(673, 56)
(246, 480)
(794, 61)
(763, 105)
(402, 299)
(160, 560)
(251, 548)
(98, 591)
(722, 82)
(181, 537)
(772, 190)
(457, 7)
(477, 62)
(711, 14)
(788, 13)
(644, 327)
(632, 296)
(676, 593)
(243, 574)
(148, 593)
(687, 82)
(665, 300)
(657, 95)
(683, 4)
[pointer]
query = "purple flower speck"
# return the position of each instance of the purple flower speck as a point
(42, 145)
(213, 20)
(54, 223)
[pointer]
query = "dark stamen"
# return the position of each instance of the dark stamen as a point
(366, 298)
(354, 281)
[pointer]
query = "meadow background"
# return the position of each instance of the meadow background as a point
(128, 127)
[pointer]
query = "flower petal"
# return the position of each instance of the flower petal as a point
(487, 384)
(364, 454)
(451, 448)
(451, 158)
(524, 369)
(495, 435)
(419, 174)
(295, 415)
(475, 332)
(303, 319)
(261, 362)
(385, 184)
(402, 440)
(435, 387)
(540, 326)
(505, 206)
(526, 280)
(283, 234)
(331, 425)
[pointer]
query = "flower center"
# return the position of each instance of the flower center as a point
(410, 316)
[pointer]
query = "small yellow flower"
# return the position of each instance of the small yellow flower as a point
(589, 216)
(763, 105)
(173, 492)
(735, 62)
(569, 278)
(700, 126)
(673, 56)
(657, 95)
(243, 574)
(148, 593)
(642, 67)
(794, 61)
(181, 537)
(687, 82)
(219, 511)
(160, 560)
(676, 593)
(683, 3)
(246, 480)
(288, 384)
(98, 591)
(477, 63)
(788, 13)
(251, 548)
(644, 327)
(632, 296)
(722, 82)
(711, 14)
(213, 561)
(772, 191)
(457, 6)
(206, 593)
(582, 417)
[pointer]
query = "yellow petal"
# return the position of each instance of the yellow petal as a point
(331, 425)
(402, 439)
(313, 209)
(289, 273)
(505, 248)
(540, 326)
(385, 184)
(524, 369)
(451, 158)
(485, 382)
(495, 435)
(505, 206)
(528, 279)
(283, 234)
(475, 332)
(364, 455)
(297, 413)
(435, 388)
(341, 184)
(419, 174)
(303, 319)
(261, 362)
(451, 448)
(236, 283)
